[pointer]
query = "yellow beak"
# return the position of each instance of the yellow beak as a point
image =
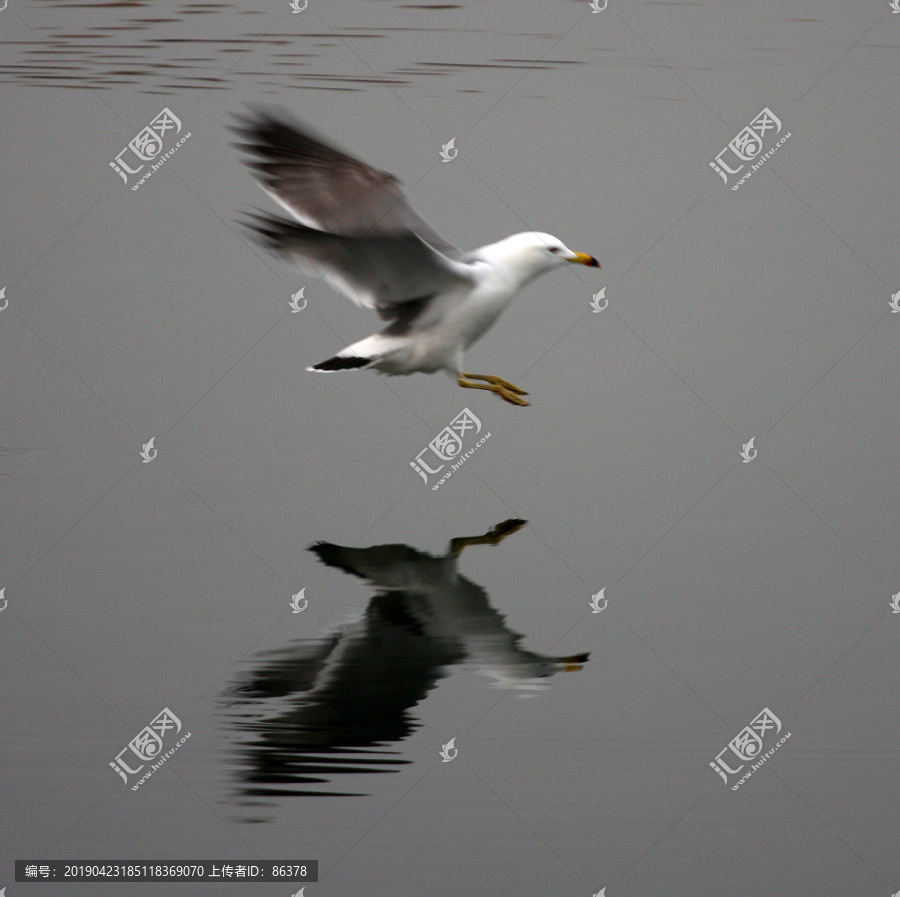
(582, 258)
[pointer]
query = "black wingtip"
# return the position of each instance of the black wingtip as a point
(279, 235)
(339, 363)
(254, 115)
(271, 133)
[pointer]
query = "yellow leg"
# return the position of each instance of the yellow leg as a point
(506, 390)
(492, 537)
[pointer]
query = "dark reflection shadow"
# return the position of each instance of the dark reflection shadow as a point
(317, 709)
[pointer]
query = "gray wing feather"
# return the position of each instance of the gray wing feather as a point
(377, 272)
(356, 226)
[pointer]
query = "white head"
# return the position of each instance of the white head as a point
(531, 253)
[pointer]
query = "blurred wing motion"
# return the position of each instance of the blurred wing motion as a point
(353, 223)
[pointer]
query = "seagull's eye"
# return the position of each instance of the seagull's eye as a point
(554, 249)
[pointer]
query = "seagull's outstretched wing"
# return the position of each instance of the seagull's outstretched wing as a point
(386, 273)
(354, 219)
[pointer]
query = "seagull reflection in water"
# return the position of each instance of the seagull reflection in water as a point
(320, 708)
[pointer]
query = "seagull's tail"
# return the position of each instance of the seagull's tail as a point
(388, 566)
(365, 353)
(341, 363)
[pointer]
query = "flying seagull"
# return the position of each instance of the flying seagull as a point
(352, 225)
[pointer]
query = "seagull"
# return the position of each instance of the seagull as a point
(351, 224)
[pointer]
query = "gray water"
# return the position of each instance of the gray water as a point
(582, 741)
